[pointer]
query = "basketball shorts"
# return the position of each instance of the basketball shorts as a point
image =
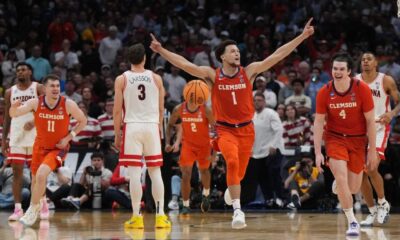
(382, 135)
(141, 141)
(20, 155)
(51, 157)
(191, 153)
(350, 149)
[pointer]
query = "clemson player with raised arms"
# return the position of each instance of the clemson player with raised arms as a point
(232, 104)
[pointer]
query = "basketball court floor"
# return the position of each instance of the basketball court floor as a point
(215, 225)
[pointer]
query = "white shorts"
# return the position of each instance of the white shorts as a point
(382, 135)
(19, 155)
(141, 141)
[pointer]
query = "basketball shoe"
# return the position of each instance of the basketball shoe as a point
(134, 222)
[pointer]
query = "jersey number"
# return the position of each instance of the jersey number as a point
(343, 114)
(234, 98)
(142, 90)
(50, 126)
(194, 128)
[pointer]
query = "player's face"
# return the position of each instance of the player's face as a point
(340, 71)
(368, 62)
(53, 89)
(23, 73)
(231, 55)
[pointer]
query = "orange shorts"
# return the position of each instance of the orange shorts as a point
(48, 157)
(236, 146)
(191, 153)
(350, 149)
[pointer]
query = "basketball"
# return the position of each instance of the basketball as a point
(196, 92)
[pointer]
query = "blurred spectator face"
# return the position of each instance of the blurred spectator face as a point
(292, 76)
(109, 107)
(83, 107)
(304, 68)
(78, 79)
(36, 51)
(109, 83)
(261, 83)
(298, 88)
(231, 55)
(70, 87)
(368, 62)
(93, 77)
(281, 110)
(66, 45)
(112, 31)
(290, 112)
(87, 93)
(97, 163)
(259, 103)
(123, 66)
(105, 70)
(319, 64)
(174, 70)
(11, 55)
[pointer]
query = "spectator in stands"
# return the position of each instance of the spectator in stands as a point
(6, 179)
(8, 68)
(301, 101)
(392, 68)
(314, 86)
(81, 193)
(106, 121)
(118, 192)
(175, 90)
(287, 90)
(93, 109)
(89, 59)
(66, 59)
(90, 136)
(109, 46)
(280, 109)
(206, 57)
(58, 185)
(305, 182)
(41, 66)
(269, 96)
(59, 30)
(264, 164)
(272, 83)
(70, 91)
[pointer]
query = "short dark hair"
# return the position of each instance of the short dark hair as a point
(343, 57)
(220, 49)
(136, 53)
(24, 64)
(297, 80)
(50, 77)
(258, 94)
(97, 155)
(369, 52)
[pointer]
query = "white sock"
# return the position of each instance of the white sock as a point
(236, 204)
(372, 210)
(135, 188)
(18, 206)
(206, 192)
(157, 189)
(381, 200)
(186, 203)
(350, 215)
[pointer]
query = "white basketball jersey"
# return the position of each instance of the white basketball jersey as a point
(18, 136)
(381, 99)
(141, 98)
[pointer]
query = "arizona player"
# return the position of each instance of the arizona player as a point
(383, 87)
(232, 103)
(21, 132)
(195, 147)
(347, 107)
(51, 116)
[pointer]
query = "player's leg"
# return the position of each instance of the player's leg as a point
(17, 158)
(203, 156)
(154, 160)
(367, 192)
(186, 161)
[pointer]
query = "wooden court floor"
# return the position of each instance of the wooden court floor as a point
(109, 225)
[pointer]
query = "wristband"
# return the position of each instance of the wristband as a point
(73, 134)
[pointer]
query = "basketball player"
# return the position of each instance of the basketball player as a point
(195, 146)
(21, 131)
(382, 88)
(139, 97)
(51, 116)
(232, 104)
(346, 104)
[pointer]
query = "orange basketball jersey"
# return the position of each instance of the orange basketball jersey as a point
(345, 111)
(232, 98)
(51, 124)
(194, 126)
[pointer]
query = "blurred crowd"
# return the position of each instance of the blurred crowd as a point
(84, 42)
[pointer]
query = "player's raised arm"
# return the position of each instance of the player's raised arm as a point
(17, 109)
(117, 111)
(256, 68)
(203, 72)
